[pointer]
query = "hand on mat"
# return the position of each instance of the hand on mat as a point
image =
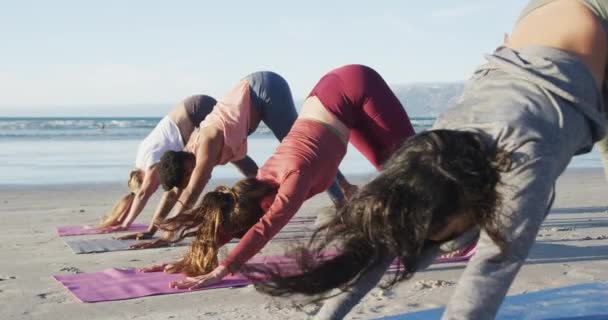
(208, 279)
(157, 268)
(137, 236)
(113, 229)
(158, 243)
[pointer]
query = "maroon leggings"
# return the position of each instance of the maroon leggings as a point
(358, 96)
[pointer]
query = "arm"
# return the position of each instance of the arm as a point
(208, 154)
(527, 196)
(292, 193)
(246, 166)
(167, 202)
(339, 306)
(290, 196)
(148, 187)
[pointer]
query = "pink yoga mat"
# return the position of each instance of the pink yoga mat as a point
(66, 231)
(117, 284)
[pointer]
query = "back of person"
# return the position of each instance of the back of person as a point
(311, 149)
(542, 24)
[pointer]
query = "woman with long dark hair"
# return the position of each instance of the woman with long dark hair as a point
(490, 162)
(351, 101)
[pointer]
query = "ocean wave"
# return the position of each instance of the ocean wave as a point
(102, 128)
(75, 124)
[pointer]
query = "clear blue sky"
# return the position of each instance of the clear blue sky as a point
(71, 53)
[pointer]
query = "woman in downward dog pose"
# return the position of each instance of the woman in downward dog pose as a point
(172, 133)
(489, 163)
(351, 101)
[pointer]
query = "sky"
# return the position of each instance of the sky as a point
(84, 56)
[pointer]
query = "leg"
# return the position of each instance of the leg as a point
(272, 99)
(358, 96)
(383, 125)
(246, 166)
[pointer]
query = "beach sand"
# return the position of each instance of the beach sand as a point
(571, 248)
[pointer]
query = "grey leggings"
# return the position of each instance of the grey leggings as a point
(272, 99)
(519, 103)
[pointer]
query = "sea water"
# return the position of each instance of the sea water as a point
(42, 151)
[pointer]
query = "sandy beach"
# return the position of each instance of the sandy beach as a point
(571, 248)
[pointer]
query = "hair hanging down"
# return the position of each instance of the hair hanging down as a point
(223, 214)
(121, 209)
(432, 177)
(173, 169)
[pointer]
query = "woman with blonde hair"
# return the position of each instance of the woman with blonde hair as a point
(121, 209)
(171, 133)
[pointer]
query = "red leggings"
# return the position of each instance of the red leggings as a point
(359, 97)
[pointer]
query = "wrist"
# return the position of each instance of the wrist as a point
(222, 270)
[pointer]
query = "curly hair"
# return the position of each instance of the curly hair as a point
(433, 177)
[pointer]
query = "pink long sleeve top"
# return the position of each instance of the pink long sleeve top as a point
(303, 165)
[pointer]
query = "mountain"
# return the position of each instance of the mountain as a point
(428, 99)
(419, 99)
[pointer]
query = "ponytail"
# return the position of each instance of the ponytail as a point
(223, 213)
(208, 220)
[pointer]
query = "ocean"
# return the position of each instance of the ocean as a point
(47, 151)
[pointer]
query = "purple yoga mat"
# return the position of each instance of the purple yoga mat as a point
(117, 284)
(66, 231)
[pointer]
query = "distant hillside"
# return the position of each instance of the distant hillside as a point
(419, 99)
(428, 99)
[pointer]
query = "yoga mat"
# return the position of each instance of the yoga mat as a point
(84, 246)
(118, 284)
(294, 230)
(580, 302)
(67, 231)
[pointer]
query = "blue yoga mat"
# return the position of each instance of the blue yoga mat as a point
(580, 302)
